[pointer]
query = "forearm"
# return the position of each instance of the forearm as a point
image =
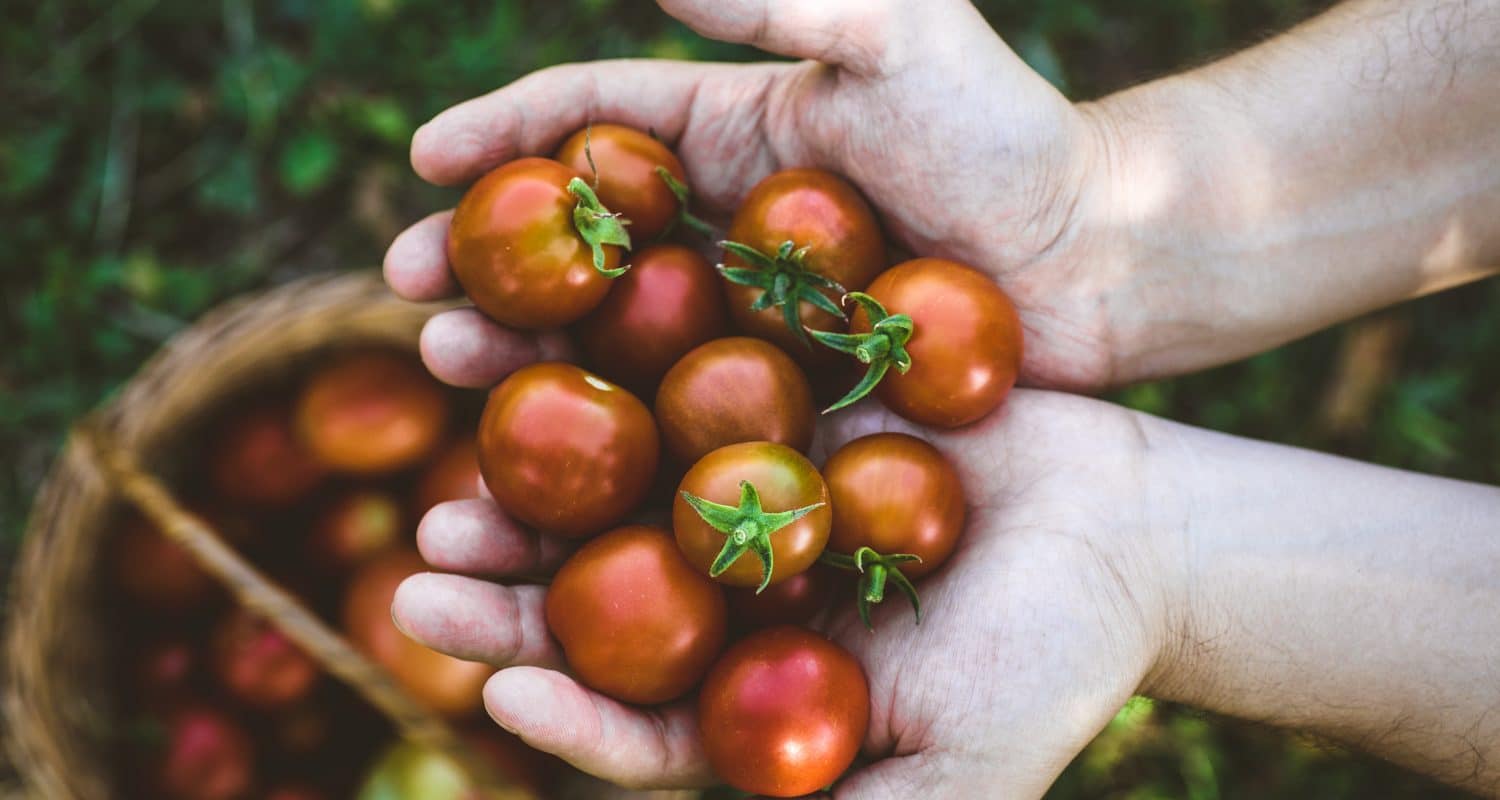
(1349, 164)
(1356, 601)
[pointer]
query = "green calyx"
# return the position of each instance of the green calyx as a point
(875, 571)
(882, 348)
(746, 527)
(597, 225)
(684, 196)
(785, 282)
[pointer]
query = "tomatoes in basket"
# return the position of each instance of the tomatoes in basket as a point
(783, 713)
(446, 684)
(156, 571)
(452, 475)
(565, 451)
(734, 390)
(372, 412)
(625, 170)
(667, 304)
(258, 664)
(256, 458)
(800, 239)
(206, 755)
(634, 619)
(356, 525)
(756, 499)
(952, 335)
(517, 248)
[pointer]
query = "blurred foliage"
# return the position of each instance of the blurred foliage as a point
(158, 156)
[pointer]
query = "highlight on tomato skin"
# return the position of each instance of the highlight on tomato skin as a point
(783, 712)
(624, 169)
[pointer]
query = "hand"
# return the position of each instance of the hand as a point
(1038, 629)
(964, 150)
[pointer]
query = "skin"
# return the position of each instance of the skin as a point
(371, 413)
(1185, 223)
(626, 160)
(514, 248)
(733, 390)
(566, 451)
(896, 494)
(667, 304)
(634, 620)
(815, 209)
(965, 346)
(783, 712)
(785, 479)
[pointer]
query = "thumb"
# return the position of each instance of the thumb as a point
(854, 34)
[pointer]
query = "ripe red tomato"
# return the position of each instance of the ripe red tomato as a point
(258, 664)
(452, 475)
(634, 619)
(515, 247)
(785, 481)
(783, 712)
(206, 756)
(447, 685)
(793, 601)
(628, 184)
(734, 390)
(355, 526)
(965, 345)
(565, 451)
(156, 571)
(813, 209)
(895, 493)
(256, 459)
(371, 412)
(667, 304)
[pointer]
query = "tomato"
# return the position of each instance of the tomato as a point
(445, 684)
(411, 770)
(355, 526)
(783, 515)
(164, 671)
(965, 344)
(667, 304)
(634, 619)
(783, 712)
(628, 183)
(206, 756)
(515, 246)
(734, 390)
(565, 451)
(258, 664)
(372, 412)
(452, 475)
(793, 601)
(515, 760)
(156, 571)
(811, 209)
(256, 459)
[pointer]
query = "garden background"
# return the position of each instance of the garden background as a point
(159, 156)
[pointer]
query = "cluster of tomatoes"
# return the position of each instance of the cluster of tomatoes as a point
(319, 484)
(757, 532)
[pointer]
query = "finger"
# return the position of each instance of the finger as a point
(416, 264)
(475, 537)
(465, 348)
(532, 115)
(634, 747)
(853, 34)
(476, 620)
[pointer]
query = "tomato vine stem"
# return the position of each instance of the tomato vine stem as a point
(785, 282)
(882, 348)
(875, 570)
(746, 527)
(597, 225)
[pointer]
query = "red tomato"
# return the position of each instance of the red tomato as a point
(816, 210)
(784, 480)
(514, 246)
(257, 460)
(565, 451)
(372, 412)
(207, 756)
(157, 571)
(258, 664)
(355, 526)
(895, 493)
(447, 685)
(667, 304)
(634, 619)
(965, 345)
(734, 390)
(783, 712)
(628, 184)
(793, 601)
(452, 475)
(164, 671)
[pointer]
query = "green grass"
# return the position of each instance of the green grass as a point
(158, 156)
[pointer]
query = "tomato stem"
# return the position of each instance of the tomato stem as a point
(785, 283)
(684, 196)
(597, 225)
(882, 348)
(746, 527)
(875, 571)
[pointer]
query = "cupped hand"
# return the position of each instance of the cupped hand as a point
(964, 150)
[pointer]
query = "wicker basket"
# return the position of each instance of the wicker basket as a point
(57, 701)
